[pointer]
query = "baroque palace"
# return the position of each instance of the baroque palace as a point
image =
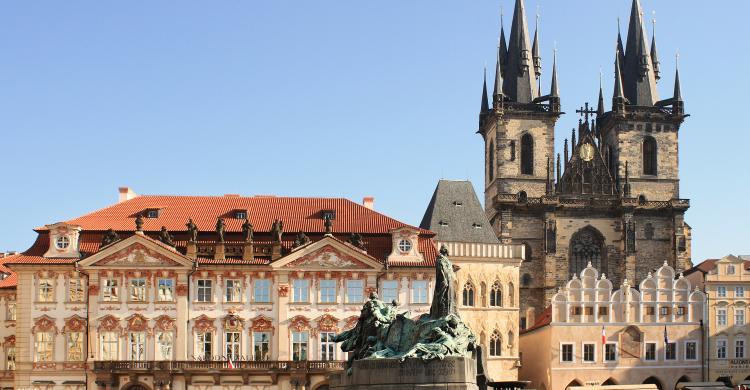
(613, 197)
(178, 292)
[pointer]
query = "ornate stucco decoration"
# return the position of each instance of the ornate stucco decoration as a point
(74, 324)
(299, 323)
(44, 324)
(204, 324)
(328, 323)
(261, 323)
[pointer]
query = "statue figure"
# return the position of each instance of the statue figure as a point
(382, 333)
(139, 223)
(301, 239)
(247, 231)
(328, 223)
(165, 237)
(192, 229)
(109, 237)
(356, 240)
(277, 229)
(220, 229)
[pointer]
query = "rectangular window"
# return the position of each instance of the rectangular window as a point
(389, 291)
(205, 290)
(589, 310)
(739, 349)
(681, 310)
(75, 346)
(589, 353)
(299, 346)
(739, 316)
(138, 290)
(419, 291)
(739, 292)
(721, 291)
(610, 352)
(355, 290)
(328, 291)
(110, 291)
(110, 346)
(670, 351)
(650, 351)
(262, 290)
(327, 346)
(232, 343)
(603, 311)
(261, 346)
(10, 358)
(664, 311)
(44, 347)
(721, 349)
(164, 346)
(566, 353)
(691, 350)
(75, 290)
(576, 311)
(165, 291)
(10, 311)
(300, 290)
(650, 310)
(46, 290)
(721, 317)
(204, 345)
(233, 291)
(137, 346)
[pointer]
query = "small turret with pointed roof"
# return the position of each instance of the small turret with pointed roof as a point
(654, 56)
(497, 91)
(503, 48)
(678, 105)
(535, 50)
(620, 47)
(518, 80)
(639, 83)
(554, 91)
(600, 101)
(618, 95)
(485, 108)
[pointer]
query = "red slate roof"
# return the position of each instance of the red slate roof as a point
(297, 214)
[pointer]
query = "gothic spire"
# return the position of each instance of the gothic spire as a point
(654, 57)
(558, 170)
(554, 90)
(566, 151)
(503, 51)
(518, 80)
(677, 90)
(639, 83)
(600, 102)
(573, 143)
(618, 94)
(620, 47)
(535, 50)
(497, 90)
(485, 102)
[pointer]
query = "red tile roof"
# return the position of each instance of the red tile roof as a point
(11, 280)
(544, 319)
(297, 214)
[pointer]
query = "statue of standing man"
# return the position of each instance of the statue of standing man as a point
(220, 229)
(192, 229)
(247, 231)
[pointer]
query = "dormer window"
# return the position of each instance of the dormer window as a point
(240, 214)
(62, 242)
(328, 214)
(404, 246)
(152, 213)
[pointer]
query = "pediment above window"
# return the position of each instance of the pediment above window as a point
(328, 254)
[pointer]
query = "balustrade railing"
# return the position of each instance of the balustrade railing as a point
(189, 365)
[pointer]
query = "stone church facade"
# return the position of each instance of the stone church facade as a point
(612, 198)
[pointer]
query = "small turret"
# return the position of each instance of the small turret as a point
(654, 56)
(518, 80)
(554, 91)
(600, 102)
(618, 97)
(485, 108)
(678, 105)
(535, 51)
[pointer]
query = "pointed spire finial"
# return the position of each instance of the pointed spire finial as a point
(654, 56)
(558, 170)
(518, 78)
(485, 108)
(566, 151)
(554, 89)
(600, 102)
(677, 90)
(535, 48)
(618, 97)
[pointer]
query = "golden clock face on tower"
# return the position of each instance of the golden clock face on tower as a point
(586, 152)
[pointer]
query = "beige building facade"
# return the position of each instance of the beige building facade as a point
(593, 335)
(727, 286)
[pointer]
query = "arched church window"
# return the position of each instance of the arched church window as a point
(496, 294)
(511, 295)
(491, 161)
(586, 245)
(527, 154)
(642, 199)
(496, 344)
(527, 252)
(468, 294)
(649, 156)
(522, 197)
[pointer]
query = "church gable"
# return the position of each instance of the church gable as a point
(137, 251)
(586, 172)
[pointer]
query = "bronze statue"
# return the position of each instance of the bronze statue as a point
(192, 229)
(220, 229)
(356, 240)
(328, 223)
(139, 223)
(109, 237)
(301, 239)
(165, 237)
(247, 231)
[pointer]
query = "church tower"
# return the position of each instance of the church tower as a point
(612, 199)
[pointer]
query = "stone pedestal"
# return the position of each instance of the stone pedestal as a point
(248, 252)
(219, 252)
(451, 373)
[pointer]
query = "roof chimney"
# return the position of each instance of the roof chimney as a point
(369, 202)
(126, 194)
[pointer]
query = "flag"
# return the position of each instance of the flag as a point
(604, 336)
(666, 336)
(230, 365)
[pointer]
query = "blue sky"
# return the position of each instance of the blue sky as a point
(326, 98)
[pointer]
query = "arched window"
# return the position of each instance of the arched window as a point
(527, 251)
(642, 199)
(586, 246)
(510, 341)
(496, 295)
(468, 294)
(491, 161)
(496, 344)
(527, 154)
(525, 280)
(522, 197)
(511, 295)
(649, 156)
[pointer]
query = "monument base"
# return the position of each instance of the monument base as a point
(451, 373)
